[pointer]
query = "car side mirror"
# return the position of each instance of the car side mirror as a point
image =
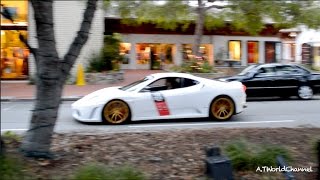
(255, 74)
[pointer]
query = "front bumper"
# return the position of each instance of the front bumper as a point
(87, 113)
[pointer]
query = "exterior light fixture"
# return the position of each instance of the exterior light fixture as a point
(293, 34)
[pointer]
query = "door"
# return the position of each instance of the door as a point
(171, 97)
(185, 100)
(261, 83)
(287, 80)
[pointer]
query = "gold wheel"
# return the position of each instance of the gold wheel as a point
(116, 112)
(222, 108)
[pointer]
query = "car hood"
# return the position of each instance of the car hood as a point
(100, 96)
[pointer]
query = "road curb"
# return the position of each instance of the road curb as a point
(16, 99)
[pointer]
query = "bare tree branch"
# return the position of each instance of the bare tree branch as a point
(22, 39)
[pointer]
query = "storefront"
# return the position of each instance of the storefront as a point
(272, 52)
(204, 50)
(14, 53)
(154, 55)
(219, 47)
(253, 52)
(310, 53)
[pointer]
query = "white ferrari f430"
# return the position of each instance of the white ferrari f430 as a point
(162, 96)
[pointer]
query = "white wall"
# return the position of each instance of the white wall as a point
(67, 19)
(306, 36)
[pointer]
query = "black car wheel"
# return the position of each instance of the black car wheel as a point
(305, 92)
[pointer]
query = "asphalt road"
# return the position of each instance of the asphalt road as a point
(264, 113)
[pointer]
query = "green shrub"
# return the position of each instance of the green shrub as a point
(12, 168)
(10, 137)
(194, 66)
(108, 58)
(248, 156)
(103, 172)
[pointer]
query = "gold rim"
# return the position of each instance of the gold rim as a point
(116, 112)
(222, 108)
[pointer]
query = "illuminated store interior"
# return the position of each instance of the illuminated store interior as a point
(14, 53)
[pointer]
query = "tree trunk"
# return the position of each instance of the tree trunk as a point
(38, 138)
(199, 28)
(51, 76)
(2, 149)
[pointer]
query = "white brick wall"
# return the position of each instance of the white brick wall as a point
(67, 19)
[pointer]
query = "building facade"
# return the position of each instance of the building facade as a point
(146, 43)
(16, 60)
(68, 16)
(146, 46)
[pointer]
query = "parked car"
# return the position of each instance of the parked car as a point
(162, 96)
(275, 79)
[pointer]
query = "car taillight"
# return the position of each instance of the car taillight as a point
(244, 88)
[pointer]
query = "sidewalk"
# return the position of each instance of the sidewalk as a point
(13, 90)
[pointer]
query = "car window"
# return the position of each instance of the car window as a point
(164, 84)
(301, 69)
(158, 83)
(265, 71)
(188, 82)
(290, 70)
(132, 86)
(247, 69)
(285, 69)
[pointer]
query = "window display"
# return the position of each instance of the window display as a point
(125, 52)
(18, 9)
(14, 56)
(253, 52)
(272, 52)
(235, 50)
(155, 54)
(187, 51)
(14, 53)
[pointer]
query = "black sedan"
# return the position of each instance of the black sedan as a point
(282, 80)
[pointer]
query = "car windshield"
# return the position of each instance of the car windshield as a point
(132, 86)
(247, 69)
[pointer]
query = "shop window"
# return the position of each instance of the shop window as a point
(293, 51)
(125, 52)
(18, 9)
(235, 50)
(253, 51)
(204, 51)
(14, 55)
(306, 53)
(272, 52)
(154, 54)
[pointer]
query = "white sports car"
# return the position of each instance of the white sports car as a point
(162, 96)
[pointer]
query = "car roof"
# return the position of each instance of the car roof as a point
(277, 64)
(173, 74)
(269, 65)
